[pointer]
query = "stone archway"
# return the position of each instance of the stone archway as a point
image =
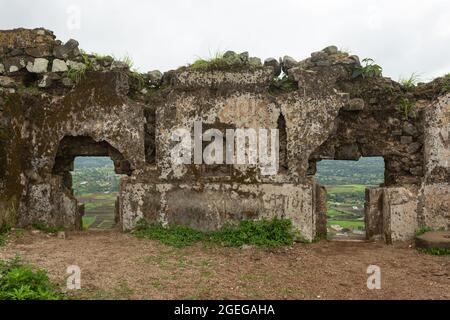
(347, 184)
(71, 147)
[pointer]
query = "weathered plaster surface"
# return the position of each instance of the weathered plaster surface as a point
(48, 117)
(435, 197)
(399, 214)
(208, 206)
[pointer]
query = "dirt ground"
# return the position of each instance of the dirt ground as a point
(115, 265)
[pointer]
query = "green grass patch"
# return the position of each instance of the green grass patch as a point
(266, 233)
(99, 196)
(137, 81)
(97, 205)
(92, 205)
(216, 62)
(128, 61)
(19, 281)
(76, 75)
(346, 195)
(423, 230)
(44, 228)
(331, 212)
(337, 214)
(172, 235)
(348, 188)
(4, 231)
(222, 61)
(202, 64)
(349, 224)
(3, 237)
(88, 221)
(106, 196)
(411, 82)
(435, 251)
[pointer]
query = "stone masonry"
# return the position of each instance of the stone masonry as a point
(57, 102)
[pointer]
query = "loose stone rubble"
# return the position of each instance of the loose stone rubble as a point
(57, 102)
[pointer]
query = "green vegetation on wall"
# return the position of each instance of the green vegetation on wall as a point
(408, 108)
(215, 62)
(411, 82)
(283, 84)
(369, 69)
(224, 61)
(265, 233)
(446, 84)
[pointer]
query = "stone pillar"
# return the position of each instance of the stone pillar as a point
(321, 210)
(435, 193)
(50, 203)
(435, 206)
(373, 212)
(399, 214)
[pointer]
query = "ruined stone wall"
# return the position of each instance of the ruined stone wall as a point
(57, 102)
(42, 105)
(435, 192)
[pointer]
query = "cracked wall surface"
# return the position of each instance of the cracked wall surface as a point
(57, 102)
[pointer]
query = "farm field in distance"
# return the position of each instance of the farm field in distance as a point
(96, 184)
(99, 210)
(346, 182)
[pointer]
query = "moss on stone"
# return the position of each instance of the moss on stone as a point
(283, 84)
(446, 84)
(222, 62)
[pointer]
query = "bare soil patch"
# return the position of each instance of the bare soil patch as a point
(116, 265)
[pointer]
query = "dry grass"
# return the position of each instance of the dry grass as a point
(119, 266)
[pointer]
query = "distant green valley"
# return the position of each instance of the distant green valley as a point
(346, 182)
(96, 184)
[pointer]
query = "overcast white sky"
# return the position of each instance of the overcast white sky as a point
(403, 36)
